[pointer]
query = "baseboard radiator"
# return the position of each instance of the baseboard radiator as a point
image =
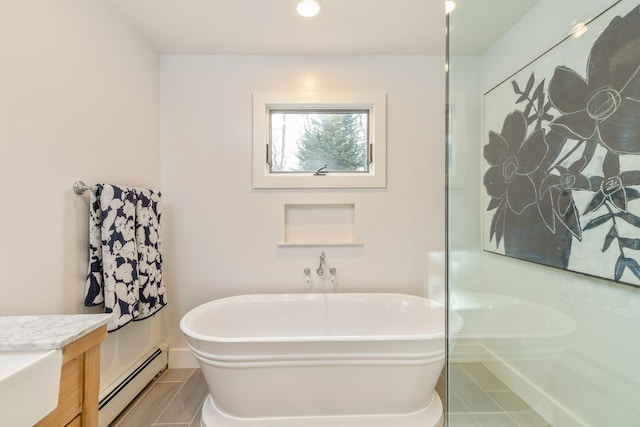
(118, 395)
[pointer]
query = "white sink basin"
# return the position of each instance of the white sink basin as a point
(29, 384)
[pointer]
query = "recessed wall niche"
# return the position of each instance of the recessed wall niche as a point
(319, 224)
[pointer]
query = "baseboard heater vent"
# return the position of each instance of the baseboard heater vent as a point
(118, 395)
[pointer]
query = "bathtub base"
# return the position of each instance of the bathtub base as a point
(431, 416)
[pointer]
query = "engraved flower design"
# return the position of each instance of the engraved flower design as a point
(605, 105)
(559, 189)
(613, 186)
(512, 157)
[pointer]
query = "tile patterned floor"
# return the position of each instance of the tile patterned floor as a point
(173, 399)
(477, 399)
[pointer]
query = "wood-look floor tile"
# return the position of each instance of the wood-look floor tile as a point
(145, 412)
(484, 377)
(456, 405)
(495, 420)
(509, 401)
(518, 409)
(133, 403)
(175, 375)
(463, 420)
(186, 402)
(473, 397)
(196, 419)
(529, 419)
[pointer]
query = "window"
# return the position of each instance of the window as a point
(319, 140)
(330, 140)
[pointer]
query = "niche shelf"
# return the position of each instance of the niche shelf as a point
(324, 224)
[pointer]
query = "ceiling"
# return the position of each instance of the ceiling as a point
(272, 27)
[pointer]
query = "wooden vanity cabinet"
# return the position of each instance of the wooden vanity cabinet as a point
(79, 383)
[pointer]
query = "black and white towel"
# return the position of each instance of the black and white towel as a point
(125, 254)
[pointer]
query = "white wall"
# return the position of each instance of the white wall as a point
(464, 168)
(596, 380)
(78, 100)
(222, 235)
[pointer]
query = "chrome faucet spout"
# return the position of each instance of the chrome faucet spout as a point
(320, 270)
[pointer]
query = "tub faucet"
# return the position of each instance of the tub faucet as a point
(320, 269)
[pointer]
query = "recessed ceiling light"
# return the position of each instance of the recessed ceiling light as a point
(308, 8)
(449, 6)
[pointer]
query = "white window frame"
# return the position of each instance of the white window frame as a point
(374, 102)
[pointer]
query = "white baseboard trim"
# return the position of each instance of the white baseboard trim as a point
(180, 358)
(115, 398)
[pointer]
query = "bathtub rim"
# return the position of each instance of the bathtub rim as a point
(191, 334)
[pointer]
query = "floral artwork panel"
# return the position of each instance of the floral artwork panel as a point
(561, 167)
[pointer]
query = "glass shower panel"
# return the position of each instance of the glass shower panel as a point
(532, 342)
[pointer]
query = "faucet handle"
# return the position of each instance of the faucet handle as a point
(333, 272)
(307, 276)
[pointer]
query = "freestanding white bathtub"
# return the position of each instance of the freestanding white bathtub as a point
(319, 359)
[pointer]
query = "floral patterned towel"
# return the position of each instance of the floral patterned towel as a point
(125, 256)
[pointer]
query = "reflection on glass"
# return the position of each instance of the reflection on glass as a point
(541, 346)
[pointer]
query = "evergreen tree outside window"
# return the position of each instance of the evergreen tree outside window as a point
(303, 141)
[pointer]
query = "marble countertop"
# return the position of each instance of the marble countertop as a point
(47, 332)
